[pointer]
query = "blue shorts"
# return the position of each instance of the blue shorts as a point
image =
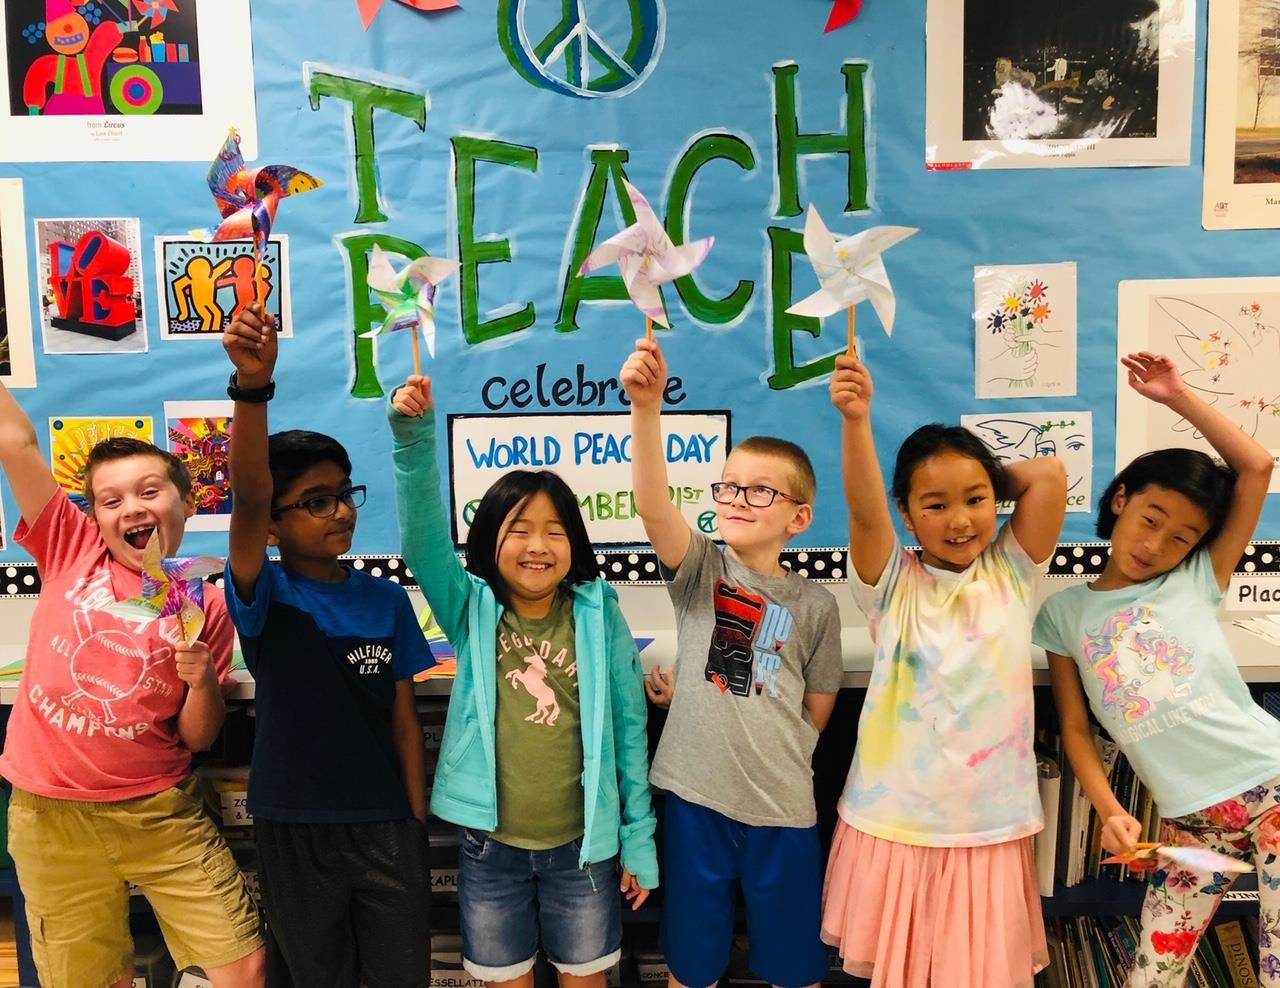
(706, 856)
(510, 900)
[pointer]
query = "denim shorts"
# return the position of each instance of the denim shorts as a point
(511, 901)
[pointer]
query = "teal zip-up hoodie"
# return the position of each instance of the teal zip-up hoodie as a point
(618, 814)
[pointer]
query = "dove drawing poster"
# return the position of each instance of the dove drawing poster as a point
(1014, 436)
(115, 80)
(1224, 336)
(1024, 324)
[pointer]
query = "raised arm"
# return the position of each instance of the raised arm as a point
(1038, 489)
(1154, 376)
(644, 377)
(25, 468)
(250, 342)
(871, 535)
(425, 539)
(1120, 831)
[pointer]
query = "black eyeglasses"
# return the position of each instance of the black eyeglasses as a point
(325, 505)
(757, 495)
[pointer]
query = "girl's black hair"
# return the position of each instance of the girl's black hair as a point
(511, 491)
(934, 438)
(1205, 482)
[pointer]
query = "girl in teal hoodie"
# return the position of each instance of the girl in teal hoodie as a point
(544, 765)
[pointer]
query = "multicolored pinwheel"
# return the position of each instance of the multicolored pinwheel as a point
(170, 586)
(1201, 859)
(248, 198)
(369, 8)
(647, 258)
(409, 297)
(849, 271)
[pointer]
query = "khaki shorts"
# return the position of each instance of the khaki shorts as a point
(74, 859)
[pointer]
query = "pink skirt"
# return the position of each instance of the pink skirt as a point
(934, 917)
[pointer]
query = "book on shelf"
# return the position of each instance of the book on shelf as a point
(1098, 952)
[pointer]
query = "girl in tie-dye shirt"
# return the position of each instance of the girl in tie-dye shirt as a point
(1143, 643)
(931, 878)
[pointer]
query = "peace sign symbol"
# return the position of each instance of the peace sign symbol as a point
(574, 59)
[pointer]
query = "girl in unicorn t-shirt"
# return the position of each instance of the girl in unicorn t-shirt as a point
(1143, 643)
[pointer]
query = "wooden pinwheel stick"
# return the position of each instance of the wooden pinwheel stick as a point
(258, 288)
(417, 352)
(853, 343)
(648, 327)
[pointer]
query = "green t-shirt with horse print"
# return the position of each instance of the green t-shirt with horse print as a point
(538, 738)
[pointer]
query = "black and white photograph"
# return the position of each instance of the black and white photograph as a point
(1042, 83)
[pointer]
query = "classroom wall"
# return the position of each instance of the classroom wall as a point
(429, 136)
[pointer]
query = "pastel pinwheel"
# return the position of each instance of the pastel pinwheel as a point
(248, 198)
(170, 586)
(647, 258)
(849, 269)
(409, 297)
(1205, 860)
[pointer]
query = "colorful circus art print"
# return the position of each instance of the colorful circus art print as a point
(1046, 84)
(71, 438)
(89, 276)
(1224, 336)
(17, 360)
(199, 434)
(123, 80)
(202, 286)
(1242, 116)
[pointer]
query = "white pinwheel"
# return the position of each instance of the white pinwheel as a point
(849, 269)
(647, 257)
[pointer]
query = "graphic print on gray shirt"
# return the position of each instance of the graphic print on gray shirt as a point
(749, 646)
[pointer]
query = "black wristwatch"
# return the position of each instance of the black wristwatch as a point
(255, 396)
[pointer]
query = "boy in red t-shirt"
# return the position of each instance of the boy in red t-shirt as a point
(98, 748)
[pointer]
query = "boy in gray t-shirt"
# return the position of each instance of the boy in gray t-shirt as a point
(758, 667)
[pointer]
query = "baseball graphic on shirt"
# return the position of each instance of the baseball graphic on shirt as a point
(106, 667)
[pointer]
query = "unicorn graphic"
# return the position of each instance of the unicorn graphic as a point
(534, 680)
(1138, 665)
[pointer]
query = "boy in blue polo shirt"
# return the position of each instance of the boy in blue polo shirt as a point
(336, 785)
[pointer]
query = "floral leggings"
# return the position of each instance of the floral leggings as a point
(1180, 903)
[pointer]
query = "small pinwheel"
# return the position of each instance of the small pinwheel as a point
(409, 297)
(647, 258)
(157, 10)
(849, 271)
(842, 13)
(369, 8)
(248, 198)
(1202, 859)
(170, 586)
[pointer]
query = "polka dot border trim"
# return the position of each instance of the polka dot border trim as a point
(640, 567)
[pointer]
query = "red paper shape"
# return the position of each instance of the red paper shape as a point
(842, 12)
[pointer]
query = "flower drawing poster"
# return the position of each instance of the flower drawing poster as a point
(1024, 330)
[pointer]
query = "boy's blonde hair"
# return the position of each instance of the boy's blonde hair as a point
(804, 484)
